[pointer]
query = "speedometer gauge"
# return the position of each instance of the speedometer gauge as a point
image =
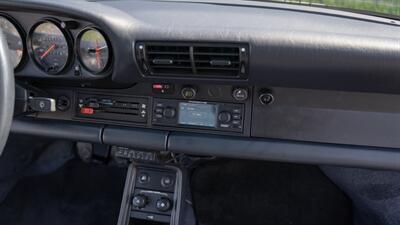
(93, 50)
(14, 40)
(50, 47)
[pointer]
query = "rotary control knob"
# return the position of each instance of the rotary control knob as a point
(169, 112)
(224, 117)
(240, 94)
(163, 204)
(139, 201)
(189, 92)
(266, 98)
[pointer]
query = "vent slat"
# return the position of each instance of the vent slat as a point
(167, 53)
(215, 54)
(193, 60)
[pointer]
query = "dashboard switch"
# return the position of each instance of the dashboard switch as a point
(87, 111)
(162, 88)
(139, 201)
(39, 104)
(266, 98)
(189, 92)
(163, 204)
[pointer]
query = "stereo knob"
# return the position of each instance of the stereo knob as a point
(224, 117)
(139, 201)
(163, 204)
(169, 112)
(240, 94)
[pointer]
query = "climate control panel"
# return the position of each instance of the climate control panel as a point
(198, 114)
(153, 197)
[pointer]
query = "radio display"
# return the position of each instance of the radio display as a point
(197, 114)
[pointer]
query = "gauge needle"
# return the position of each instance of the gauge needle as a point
(98, 55)
(47, 52)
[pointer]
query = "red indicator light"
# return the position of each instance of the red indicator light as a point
(157, 86)
(87, 111)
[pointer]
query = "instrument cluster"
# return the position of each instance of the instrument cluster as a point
(54, 49)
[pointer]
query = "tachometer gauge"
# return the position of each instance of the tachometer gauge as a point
(50, 47)
(14, 40)
(93, 50)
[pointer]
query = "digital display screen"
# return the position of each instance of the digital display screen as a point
(197, 114)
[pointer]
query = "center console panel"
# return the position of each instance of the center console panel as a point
(153, 195)
(202, 108)
(198, 114)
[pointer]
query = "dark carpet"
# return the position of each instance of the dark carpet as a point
(233, 192)
(375, 194)
(76, 194)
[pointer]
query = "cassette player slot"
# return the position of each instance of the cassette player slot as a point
(113, 108)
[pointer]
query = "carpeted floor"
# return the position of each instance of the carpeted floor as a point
(76, 194)
(233, 192)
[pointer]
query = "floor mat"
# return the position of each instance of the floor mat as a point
(234, 192)
(76, 194)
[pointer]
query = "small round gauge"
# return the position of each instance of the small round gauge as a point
(93, 50)
(14, 40)
(50, 47)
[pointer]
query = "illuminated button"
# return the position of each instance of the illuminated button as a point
(87, 111)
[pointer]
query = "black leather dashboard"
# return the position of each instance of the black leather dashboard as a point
(334, 75)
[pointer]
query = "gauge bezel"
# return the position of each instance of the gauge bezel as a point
(23, 36)
(68, 37)
(108, 66)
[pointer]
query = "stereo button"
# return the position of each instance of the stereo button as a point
(236, 122)
(237, 116)
(159, 110)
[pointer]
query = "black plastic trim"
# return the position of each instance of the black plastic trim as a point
(58, 129)
(141, 139)
(216, 145)
(285, 151)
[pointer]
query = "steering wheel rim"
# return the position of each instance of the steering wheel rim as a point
(7, 91)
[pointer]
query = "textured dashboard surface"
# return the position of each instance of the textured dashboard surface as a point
(292, 46)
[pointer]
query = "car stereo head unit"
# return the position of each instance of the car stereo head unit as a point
(200, 115)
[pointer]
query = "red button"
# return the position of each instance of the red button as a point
(157, 86)
(87, 111)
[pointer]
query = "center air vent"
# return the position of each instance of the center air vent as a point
(193, 60)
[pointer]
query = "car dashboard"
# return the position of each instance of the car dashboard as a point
(246, 80)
